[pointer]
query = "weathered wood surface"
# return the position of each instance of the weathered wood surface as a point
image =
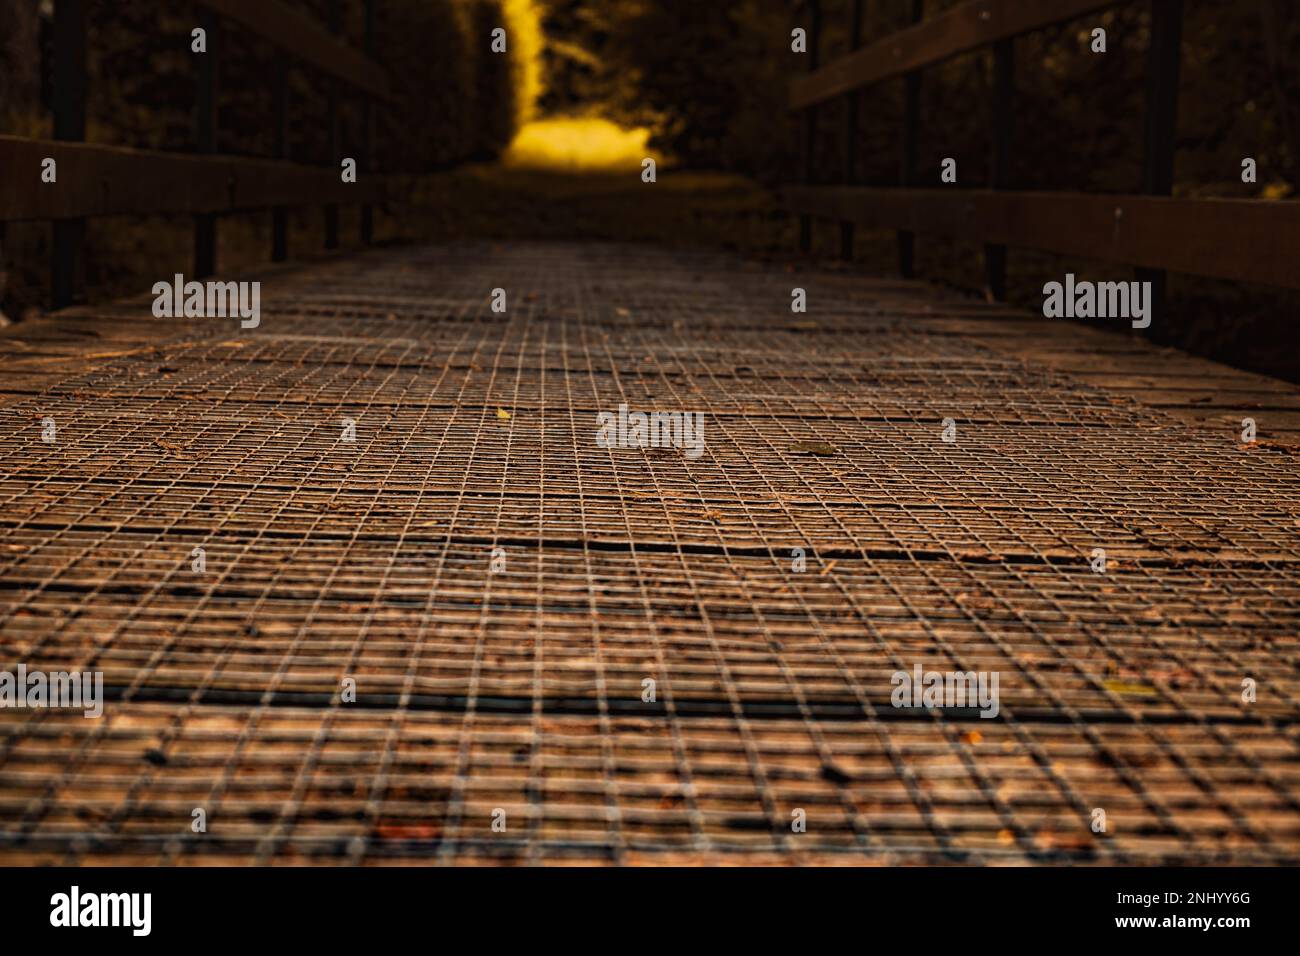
(1205, 237)
(961, 29)
(306, 39)
(113, 181)
(521, 685)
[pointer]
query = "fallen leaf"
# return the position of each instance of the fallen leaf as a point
(813, 448)
(1120, 687)
(175, 447)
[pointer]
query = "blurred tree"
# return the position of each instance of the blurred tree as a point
(712, 80)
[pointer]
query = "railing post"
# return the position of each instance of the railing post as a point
(907, 160)
(70, 125)
(995, 256)
(335, 17)
(368, 129)
(1161, 121)
(205, 224)
(810, 121)
(851, 129)
(280, 214)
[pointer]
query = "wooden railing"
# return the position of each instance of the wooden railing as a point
(1248, 240)
(95, 180)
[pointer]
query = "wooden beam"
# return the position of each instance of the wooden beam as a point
(814, 13)
(280, 212)
(1163, 61)
(67, 263)
(306, 39)
(851, 128)
(1003, 91)
(966, 27)
(111, 181)
(205, 225)
(907, 150)
(1219, 238)
(332, 123)
(366, 165)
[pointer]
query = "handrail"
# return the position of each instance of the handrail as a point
(92, 180)
(304, 38)
(1208, 237)
(974, 24)
(99, 180)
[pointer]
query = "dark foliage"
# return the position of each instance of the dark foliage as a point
(713, 79)
(454, 103)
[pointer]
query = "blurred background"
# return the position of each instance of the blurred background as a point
(547, 140)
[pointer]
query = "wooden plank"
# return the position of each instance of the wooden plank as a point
(108, 180)
(303, 37)
(1194, 390)
(1205, 400)
(966, 27)
(1220, 238)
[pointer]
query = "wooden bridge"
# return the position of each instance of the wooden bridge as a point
(364, 585)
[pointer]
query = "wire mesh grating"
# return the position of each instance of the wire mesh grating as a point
(521, 689)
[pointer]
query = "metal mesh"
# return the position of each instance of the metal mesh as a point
(521, 688)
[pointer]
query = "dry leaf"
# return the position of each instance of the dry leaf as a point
(1120, 687)
(813, 448)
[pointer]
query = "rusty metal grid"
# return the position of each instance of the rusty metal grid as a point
(336, 785)
(521, 689)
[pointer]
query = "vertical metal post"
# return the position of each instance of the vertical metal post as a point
(851, 129)
(335, 15)
(1161, 121)
(810, 122)
(205, 224)
(368, 129)
(280, 214)
(995, 256)
(68, 267)
(908, 154)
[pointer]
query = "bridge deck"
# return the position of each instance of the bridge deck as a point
(520, 688)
